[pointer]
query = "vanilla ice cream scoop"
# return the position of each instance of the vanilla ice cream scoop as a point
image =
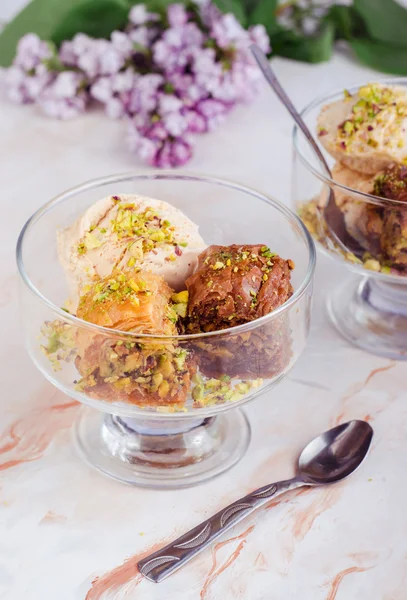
(367, 131)
(128, 232)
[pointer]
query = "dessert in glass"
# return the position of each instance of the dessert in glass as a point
(161, 302)
(359, 216)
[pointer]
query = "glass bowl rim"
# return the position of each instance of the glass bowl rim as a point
(325, 99)
(162, 175)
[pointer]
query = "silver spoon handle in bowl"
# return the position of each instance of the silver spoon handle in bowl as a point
(269, 75)
(160, 564)
(330, 215)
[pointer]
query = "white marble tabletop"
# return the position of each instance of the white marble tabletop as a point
(68, 533)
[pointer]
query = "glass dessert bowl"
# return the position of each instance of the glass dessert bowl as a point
(359, 216)
(160, 343)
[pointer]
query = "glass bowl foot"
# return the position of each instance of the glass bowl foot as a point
(160, 454)
(372, 315)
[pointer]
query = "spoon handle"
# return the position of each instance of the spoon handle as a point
(269, 75)
(160, 564)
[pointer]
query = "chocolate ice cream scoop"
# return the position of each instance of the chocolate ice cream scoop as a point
(236, 284)
(392, 184)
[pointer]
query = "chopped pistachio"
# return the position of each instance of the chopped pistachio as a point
(157, 379)
(348, 127)
(372, 265)
(133, 285)
(218, 265)
(180, 359)
(114, 285)
(181, 309)
(91, 241)
(180, 297)
(198, 392)
(163, 389)
(136, 249)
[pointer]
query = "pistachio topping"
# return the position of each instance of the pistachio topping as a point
(145, 229)
(207, 392)
(59, 343)
(378, 106)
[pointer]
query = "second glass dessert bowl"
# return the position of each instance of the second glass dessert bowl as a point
(157, 408)
(369, 308)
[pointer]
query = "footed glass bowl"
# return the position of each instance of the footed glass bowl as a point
(369, 308)
(177, 428)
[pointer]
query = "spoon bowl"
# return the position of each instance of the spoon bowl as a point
(335, 454)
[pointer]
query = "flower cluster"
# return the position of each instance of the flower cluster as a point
(169, 76)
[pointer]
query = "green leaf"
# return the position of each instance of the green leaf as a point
(386, 20)
(347, 22)
(233, 6)
(314, 49)
(40, 17)
(96, 18)
(381, 56)
(264, 12)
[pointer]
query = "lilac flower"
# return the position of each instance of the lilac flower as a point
(177, 15)
(186, 87)
(28, 75)
(168, 103)
(226, 30)
(213, 111)
(23, 88)
(174, 153)
(96, 57)
(144, 147)
(144, 96)
(140, 16)
(258, 35)
(122, 43)
(175, 48)
(115, 92)
(31, 51)
(71, 50)
(140, 36)
(164, 155)
(152, 142)
(169, 77)
(209, 13)
(197, 123)
(65, 97)
(207, 71)
(175, 123)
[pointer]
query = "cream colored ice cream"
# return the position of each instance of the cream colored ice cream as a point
(128, 232)
(360, 182)
(363, 220)
(367, 131)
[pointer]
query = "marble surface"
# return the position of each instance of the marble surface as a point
(68, 533)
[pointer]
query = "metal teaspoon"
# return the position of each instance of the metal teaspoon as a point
(327, 459)
(332, 215)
